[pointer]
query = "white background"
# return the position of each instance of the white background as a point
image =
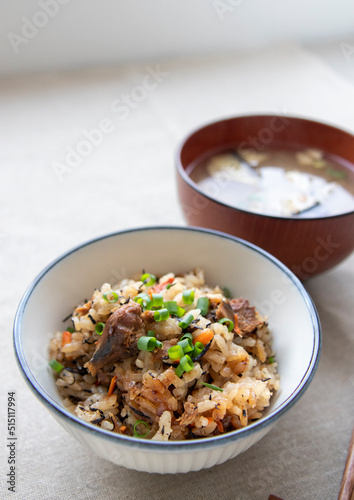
(81, 33)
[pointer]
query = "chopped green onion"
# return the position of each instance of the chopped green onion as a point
(186, 320)
(148, 343)
(175, 352)
(148, 279)
(172, 306)
(161, 315)
(71, 330)
(203, 305)
(186, 345)
(169, 286)
(271, 360)
(179, 370)
(144, 300)
(214, 387)
(337, 174)
(187, 336)
(113, 295)
(226, 292)
(151, 333)
(186, 363)
(57, 367)
(188, 296)
(157, 300)
(230, 325)
(136, 433)
(99, 327)
(180, 312)
(198, 348)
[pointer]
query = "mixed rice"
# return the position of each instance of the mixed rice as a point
(167, 359)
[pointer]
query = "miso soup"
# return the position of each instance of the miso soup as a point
(278, 182)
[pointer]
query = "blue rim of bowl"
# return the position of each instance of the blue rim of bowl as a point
(182, 171)
(162, 446)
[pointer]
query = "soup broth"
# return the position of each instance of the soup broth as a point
(278, 182)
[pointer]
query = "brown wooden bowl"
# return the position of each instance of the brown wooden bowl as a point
(308, 246)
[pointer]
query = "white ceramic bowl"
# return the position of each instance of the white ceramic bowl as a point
(245, 269)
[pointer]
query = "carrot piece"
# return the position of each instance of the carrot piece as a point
(219, 425)
(160, 286)
(66, 339)
(210, 420)
(236, 327)
(112, 386)
(122, 428)
(204, 337)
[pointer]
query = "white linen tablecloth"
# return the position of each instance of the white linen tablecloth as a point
(52, 199)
